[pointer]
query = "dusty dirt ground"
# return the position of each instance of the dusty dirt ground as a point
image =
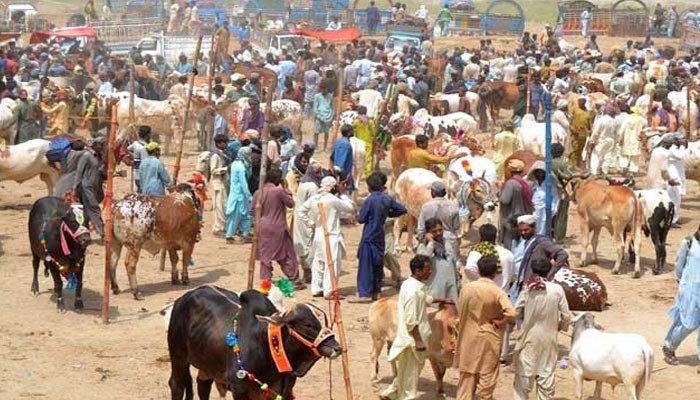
(45, 355)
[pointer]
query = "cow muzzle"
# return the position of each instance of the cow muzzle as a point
(330, 348)
(490, 206)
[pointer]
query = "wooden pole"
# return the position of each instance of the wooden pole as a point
(330, 269)
(527, 91)
(178, 157)
(108, 217)
(338, 111)
(41, 99)
(687, 109)
(210, 83)
(132, 118)
(263, 176)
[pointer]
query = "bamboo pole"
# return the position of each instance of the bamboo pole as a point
(261, 183)
(339, 105)
(178, 157)
(132, 118)
(330, 269)
(41, 99)
(108, 217)
(527, 91)
(210, 83)
(687, 109)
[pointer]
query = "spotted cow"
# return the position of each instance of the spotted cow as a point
(657, 214)
(584, 291)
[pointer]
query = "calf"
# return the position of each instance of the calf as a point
(171, 222)
(26, 160)
(612, 358)
(657, 214)
(615, 208)
(57, 235)
(209, 325)
(441, 345)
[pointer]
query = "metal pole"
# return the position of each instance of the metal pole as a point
(548, 163)
(258, 203)
(108, 217)
(330, 269)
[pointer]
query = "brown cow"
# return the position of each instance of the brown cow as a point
(401, 147)
(526, 156)
(496, 95)
(438, 107)
(441, 345)
(593, 85)
(615, 208)
(170, 222)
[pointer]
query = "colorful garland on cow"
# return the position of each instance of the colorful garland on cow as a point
(71, 279)
(232, 342)
(283, 284)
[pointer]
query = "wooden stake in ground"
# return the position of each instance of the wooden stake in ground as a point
(108, 216)
(687, 105)
(132, 118)
(213, 54)
(178, 157)
(527, 93)
(258, 203)
(339, 106)
(330, 269)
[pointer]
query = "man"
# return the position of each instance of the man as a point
(592, 44)
(90, 11)
(585, 19)
(658, 170)
(484, 312)
(342, 156)
(404, 102)
(659, 17)
(420, 157)
(87, 186)
(515, 199)
(218, 170)
(447, 211)
(536, 177)
(676, 170)
(666, 117)
(365, 131)
(455, 83)
(631, 126)
(686, 311)
(139, 153)
(180, 88)
(421, 91)
(25, 117)
(444, 18)
(278, 245)
(373, 18)
(563, 174)
(487, 247)
(252, 87)
(370, 252)
(443, 281)
(333, 207)
(154, 177)
(505, 143)
(544, 312)
(312, 80)
(253, 118)
(183, 66)
(580, 129)
(323, 113)
(238, 216)
(408, 350)
(60, 113)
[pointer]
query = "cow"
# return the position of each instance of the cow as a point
(657, 214)
(612, 358)
(412, 190)
(284, 112)
(584, 291)
(8, 124)
(495, 95)
(211, 327)
(401, 148)
(440, 346)
(471, 181)
(532, 135)
(26, 160)
(615, 208)
(170, 222)
(692, 161)
(58, 236)
(165, 117)
(453, 124)
(452, 100)
(527, 157)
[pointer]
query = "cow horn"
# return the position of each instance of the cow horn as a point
(274, 319)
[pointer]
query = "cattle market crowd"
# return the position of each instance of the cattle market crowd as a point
(420, 146)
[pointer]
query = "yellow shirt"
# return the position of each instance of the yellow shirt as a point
(421, 158)
(61, 121)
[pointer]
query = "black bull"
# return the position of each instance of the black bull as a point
(55, 220)
(199, 324)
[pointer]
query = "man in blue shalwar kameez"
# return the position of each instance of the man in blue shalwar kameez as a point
(341, 155)
(686, 312)
(370, 253)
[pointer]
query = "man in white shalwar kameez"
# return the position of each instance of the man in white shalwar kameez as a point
(334, 206)
(603, 142)
(676, 169)
(369, 98)
(561, 117)
(218, 170)
(631, 148)
(408, 349)
(658, 173)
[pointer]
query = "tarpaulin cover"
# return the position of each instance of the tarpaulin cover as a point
(9, 35)
(40, 36)
(343, 35)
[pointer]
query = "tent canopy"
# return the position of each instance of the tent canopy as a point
(40, 36)
(343, 35)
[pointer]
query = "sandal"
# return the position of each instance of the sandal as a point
(669, 356)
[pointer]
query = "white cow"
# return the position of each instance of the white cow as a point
(476, 197)
(26, 160)
(8, 127)
(453, 100)
(680, 103)
(657, 214)
(611, 358)
(165, 117)
(412, 189)
(692, 161)
(284, 112)
(450, 123)
(532, 135)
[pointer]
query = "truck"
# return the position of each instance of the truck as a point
(21, 17)
(410, 35)
(121, 35)
(690, 37)
(274, 42)
(171, 46)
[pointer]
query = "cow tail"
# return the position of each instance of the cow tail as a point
(636, 224)
(648, 364)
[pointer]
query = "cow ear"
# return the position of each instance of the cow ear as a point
(599, 327)
(274, 319)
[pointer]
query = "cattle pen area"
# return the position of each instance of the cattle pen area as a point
(46, 355)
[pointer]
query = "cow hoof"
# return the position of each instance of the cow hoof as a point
(637, 274)
(615, 272)
(175, 281)
(116, 291)
(185, 281)
(655, 271)
(79, 304)
(35, 292)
